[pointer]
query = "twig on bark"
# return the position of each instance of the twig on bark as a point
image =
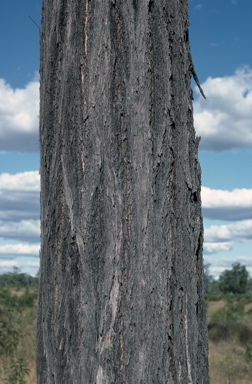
(194, 74)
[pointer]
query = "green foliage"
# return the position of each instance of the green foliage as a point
(9, 313)
(213, 296)
(27, 299)
(208, 279)
(12, 306)
(232, 330)
(9, 337)
(10, 300)
(18, 280)
(232, 311)
(7, 299)
(232, 322)
(248, 352)
(235, 280)
(249, 288)
(15, 372)
(211, 286)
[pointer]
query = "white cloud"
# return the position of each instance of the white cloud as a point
(19, 110)
(221, 198)
(224, 120)
(210, 248)
(26, 266)
(239, 231)
(19, 249)
(222, 238)
(19, 221)
(24, 181)
(24, 230)
(5, 263)
(227, 205)
(220, 264)
(245, 260)
(19, 206)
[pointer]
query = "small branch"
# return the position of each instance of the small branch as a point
(194, 74)
(34, 22)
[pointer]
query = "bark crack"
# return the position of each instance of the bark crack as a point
(188, 358)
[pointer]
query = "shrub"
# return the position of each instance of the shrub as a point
(229, 330)
(248, 352)
(15, 372)
(233, 311)
(9, 338)
(14, 369)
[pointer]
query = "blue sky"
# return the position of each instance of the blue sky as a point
(220, 36)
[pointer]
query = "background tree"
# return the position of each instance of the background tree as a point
(235, 280)
(18, 280)
(121, 278)
(208, 278)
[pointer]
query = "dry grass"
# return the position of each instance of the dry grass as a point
(213, 306)
(227, 358)
(248, 307)
(31, 379)
(228, 364)
(28, 345)
(228, 361)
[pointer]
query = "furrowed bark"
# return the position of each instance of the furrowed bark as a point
(120, 293)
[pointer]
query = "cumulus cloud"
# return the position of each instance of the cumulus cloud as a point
(211, 248)
(220, 264)
(19, 110)
(8, 264)
(19, 206)
(19, 211)
(222, 238)
(19, 196)
(245, 260)
(13, 250)
(227, 205)
(24, 230)
(25, 181)
(28, 266)
(239, 231)
(224, 120)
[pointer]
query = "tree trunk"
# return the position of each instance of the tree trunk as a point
(120, 295)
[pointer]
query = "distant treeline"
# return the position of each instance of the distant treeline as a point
(235, 281)
(18, 280)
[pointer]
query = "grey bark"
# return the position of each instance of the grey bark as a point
(120, 293)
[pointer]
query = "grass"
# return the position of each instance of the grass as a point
(228, 363)
(230, 336)
(18, 334)
(230, 340)
(29, 345)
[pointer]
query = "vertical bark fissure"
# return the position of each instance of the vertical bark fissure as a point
(120, 297)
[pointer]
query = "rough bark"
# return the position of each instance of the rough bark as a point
(120, 294)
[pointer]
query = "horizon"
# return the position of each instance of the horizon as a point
(219, 36)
